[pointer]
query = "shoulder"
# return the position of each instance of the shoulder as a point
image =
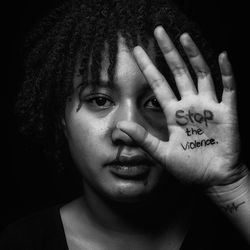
(38, 231)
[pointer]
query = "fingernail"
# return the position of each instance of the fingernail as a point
(137, 49)
(184, 38)
(158, 30)
(224, 54)
(185, 35)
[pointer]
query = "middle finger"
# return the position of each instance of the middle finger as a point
(175, 62)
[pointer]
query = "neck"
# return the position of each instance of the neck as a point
(159, 213)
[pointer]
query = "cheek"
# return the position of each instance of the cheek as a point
(85, 133)
(87, 136)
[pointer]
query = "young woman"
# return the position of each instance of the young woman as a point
(123, 88)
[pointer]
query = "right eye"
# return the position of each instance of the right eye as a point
(99, 102)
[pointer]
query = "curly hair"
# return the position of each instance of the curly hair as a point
(82, 27)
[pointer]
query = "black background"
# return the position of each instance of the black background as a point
(29, 181)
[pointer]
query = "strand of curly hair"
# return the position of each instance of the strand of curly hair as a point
(82, 28)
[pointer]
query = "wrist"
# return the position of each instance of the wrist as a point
(233, 191)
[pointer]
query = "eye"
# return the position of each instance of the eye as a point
(152, 103)
(101, 102)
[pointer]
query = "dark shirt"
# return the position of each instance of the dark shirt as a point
(40, 231)
(44, 231)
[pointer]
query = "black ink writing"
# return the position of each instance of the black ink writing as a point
(197, 144)
(192, 131)
(183, 119)
(231, 208)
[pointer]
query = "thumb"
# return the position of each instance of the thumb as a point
(144, 139)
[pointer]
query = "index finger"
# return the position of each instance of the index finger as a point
(156, 80)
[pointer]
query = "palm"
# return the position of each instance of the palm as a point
(203, 143)
(205, 140)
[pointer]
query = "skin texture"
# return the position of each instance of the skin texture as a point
(93, 137)
(107, 215)
(217, 164)
(127, 120)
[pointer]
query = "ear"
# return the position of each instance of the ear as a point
(64, 126)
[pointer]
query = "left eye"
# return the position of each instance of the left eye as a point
(153, 104)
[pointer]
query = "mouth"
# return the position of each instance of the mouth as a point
(132, 172)
(135, 167)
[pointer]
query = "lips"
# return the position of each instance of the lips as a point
(130, 167)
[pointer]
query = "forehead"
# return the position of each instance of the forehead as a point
(125, 62)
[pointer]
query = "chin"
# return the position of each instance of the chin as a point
(131, 191)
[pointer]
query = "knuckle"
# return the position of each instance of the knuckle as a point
(202, 73)
(150, 143)
(156, 83)
(155, 145)
(193, 53)
(179, 70)
(147, 68)
(144, 140)
(167, 49)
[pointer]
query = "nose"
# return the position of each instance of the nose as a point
(128, 111)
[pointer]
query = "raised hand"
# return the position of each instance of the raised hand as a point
(203, 146)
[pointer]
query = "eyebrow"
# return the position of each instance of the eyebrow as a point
(94, 85)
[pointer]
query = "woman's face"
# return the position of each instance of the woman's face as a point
(109, 161)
